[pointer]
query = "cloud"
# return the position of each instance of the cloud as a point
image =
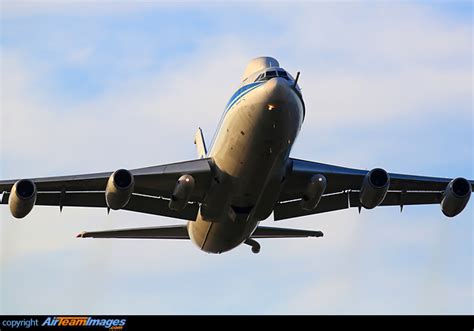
(81, 56)
(35, 8)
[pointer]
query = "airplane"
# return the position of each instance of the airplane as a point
(246, 175)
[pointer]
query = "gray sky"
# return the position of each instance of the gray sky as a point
(96, 87)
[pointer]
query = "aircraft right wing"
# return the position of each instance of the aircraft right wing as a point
(152, 190)
(344, 188)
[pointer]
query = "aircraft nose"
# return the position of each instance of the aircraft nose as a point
(279, 93)
(277, 87)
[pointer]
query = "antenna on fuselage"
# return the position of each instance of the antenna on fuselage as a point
(296, 80)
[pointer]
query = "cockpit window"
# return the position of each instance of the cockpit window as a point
(260, 77)
(283, 74)
(271, 74)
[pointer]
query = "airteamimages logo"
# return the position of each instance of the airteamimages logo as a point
(109, 323)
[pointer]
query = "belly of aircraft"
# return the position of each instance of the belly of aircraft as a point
(250, 152)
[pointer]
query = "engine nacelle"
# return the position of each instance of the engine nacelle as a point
(314, 192)
(182, 192)
(119, 189)
(456, 197)
(374, 188)
(22, 198)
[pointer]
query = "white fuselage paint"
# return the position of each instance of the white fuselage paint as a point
(250, 153)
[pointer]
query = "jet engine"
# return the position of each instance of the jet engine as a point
(22, 198)
(182, 192)
(456, 197)
(374, 188)
(119, 189)
(314, 192)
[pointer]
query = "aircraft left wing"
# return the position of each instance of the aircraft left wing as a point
(152, 189)
(344, 186)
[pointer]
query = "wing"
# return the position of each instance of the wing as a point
(153, 187)
(343, 185)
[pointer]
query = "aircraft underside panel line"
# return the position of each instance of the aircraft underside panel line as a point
(349, 199)
(137, 203)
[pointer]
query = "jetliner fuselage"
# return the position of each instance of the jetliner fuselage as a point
(250, 151)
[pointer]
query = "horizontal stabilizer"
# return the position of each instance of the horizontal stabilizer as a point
(181, 232)
(161, 232)
(270, 232)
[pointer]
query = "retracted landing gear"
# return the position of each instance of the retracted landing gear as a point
(255, 245)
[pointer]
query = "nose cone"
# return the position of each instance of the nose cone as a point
(277, 88)
(279, 93)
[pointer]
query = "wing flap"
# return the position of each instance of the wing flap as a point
(345, 200)
(159, 206)
(328, 203)
(161, 232)
(137, 203)
(402, 198)
(81, 199)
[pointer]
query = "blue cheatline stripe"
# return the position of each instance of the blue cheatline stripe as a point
(235, 97)
(240, 93)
